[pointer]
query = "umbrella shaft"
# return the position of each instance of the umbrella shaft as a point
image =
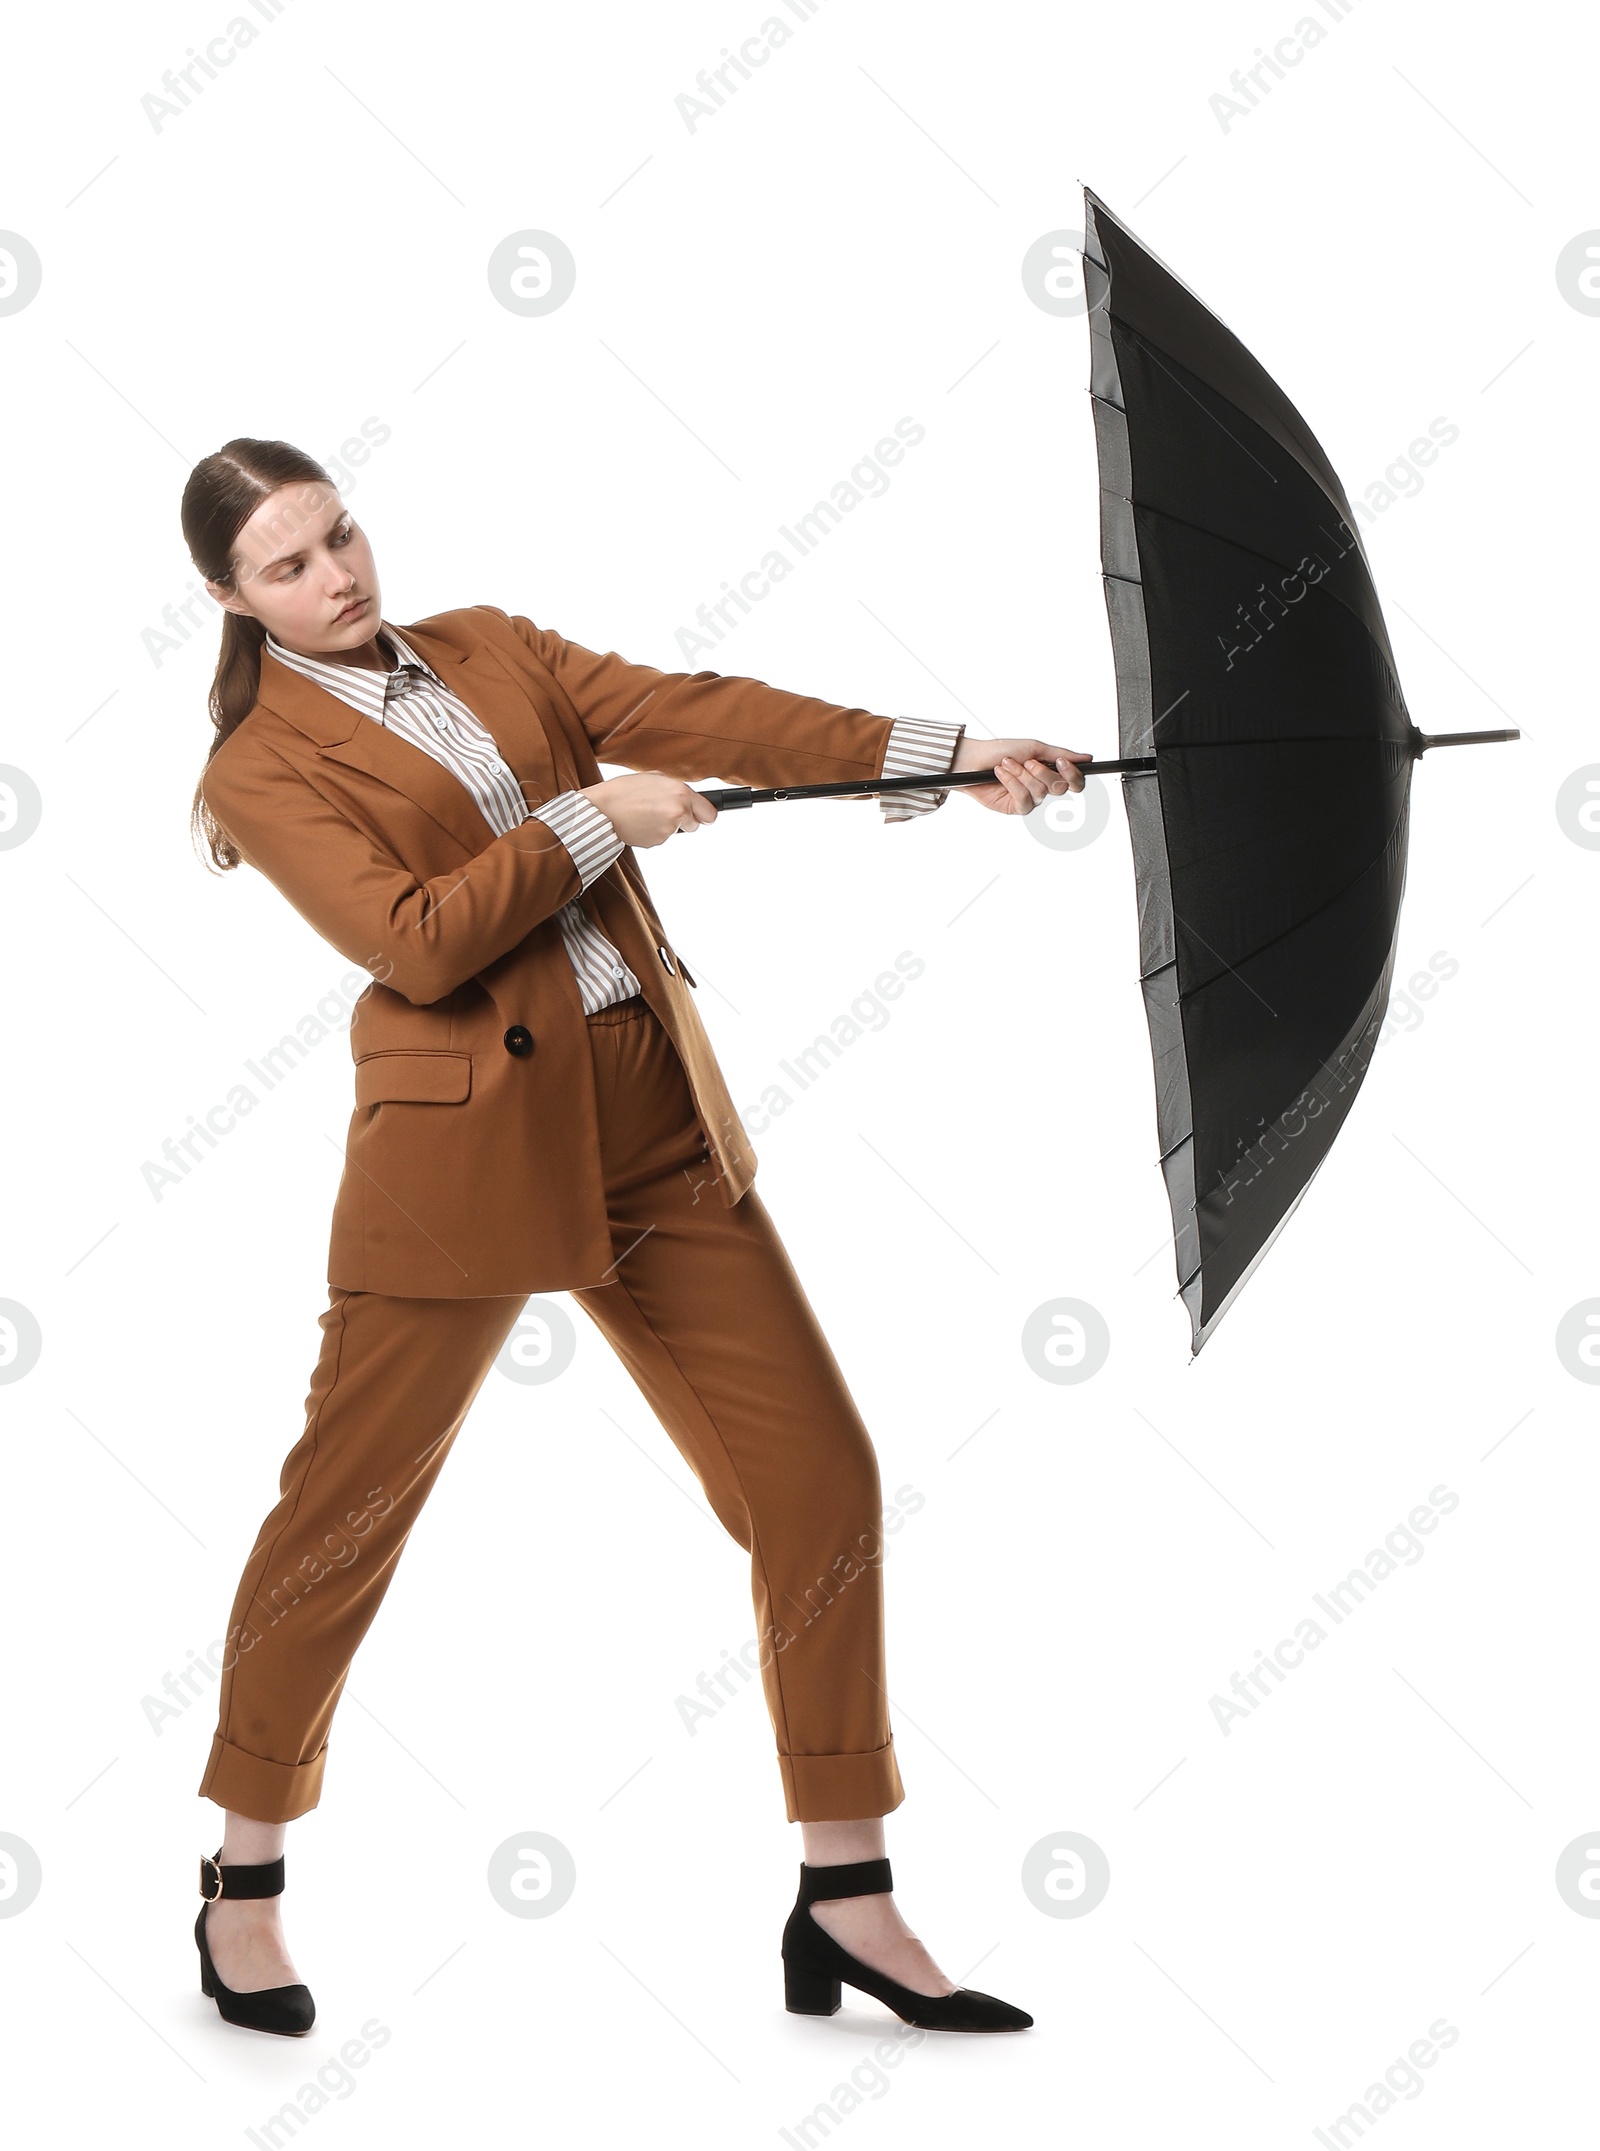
(932, 780)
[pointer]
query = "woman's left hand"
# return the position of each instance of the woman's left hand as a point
(1026, 769)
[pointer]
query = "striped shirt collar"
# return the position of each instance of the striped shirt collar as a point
(358, 685)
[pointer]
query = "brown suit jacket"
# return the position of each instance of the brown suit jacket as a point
(472, 1168)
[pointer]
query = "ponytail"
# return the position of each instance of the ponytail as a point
(223, 492)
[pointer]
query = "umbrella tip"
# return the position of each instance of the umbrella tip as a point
(1422, 741)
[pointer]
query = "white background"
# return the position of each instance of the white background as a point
(758, 300)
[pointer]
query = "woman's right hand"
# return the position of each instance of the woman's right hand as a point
(645, 808)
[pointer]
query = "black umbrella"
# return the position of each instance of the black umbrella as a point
(1267, 750)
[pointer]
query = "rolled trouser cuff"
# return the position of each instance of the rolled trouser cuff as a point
(266, 1791)
(841, 1788)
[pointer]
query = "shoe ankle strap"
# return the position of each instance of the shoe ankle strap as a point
(262, 1880)
(853, 1878)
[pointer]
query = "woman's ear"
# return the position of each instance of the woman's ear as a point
(227, 597)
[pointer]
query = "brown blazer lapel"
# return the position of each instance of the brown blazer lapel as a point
(541, 766)
(349, 736)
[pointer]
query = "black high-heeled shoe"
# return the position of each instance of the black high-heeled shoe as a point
(270, 2009)
(814, 1964)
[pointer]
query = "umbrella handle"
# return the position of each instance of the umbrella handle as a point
(941, 780)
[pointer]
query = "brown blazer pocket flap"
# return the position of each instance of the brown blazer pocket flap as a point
(428, 1078)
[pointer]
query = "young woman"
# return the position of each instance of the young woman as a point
(538, 1109)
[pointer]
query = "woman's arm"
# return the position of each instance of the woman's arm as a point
(703, 724)
(423, 938)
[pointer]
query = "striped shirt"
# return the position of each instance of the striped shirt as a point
(412, 701)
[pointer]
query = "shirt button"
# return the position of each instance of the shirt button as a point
(616, 970)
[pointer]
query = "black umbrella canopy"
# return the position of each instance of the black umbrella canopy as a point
(1269, 842)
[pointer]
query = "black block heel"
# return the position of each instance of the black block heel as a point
(815, 1965)
(289, 2010)
(808, 1993)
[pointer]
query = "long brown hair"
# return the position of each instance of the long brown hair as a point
(223, 492)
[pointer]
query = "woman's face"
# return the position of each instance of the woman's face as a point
(299, 564)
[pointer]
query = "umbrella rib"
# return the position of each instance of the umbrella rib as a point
(1167, 712)
(1193, 398)
(1187, 994)
(1290, 450)
(1320, 587)
(1239, 975)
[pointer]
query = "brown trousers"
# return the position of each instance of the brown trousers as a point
(706, 1312)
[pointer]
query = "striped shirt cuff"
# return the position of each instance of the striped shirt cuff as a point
(915, 744)
(585, 830)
